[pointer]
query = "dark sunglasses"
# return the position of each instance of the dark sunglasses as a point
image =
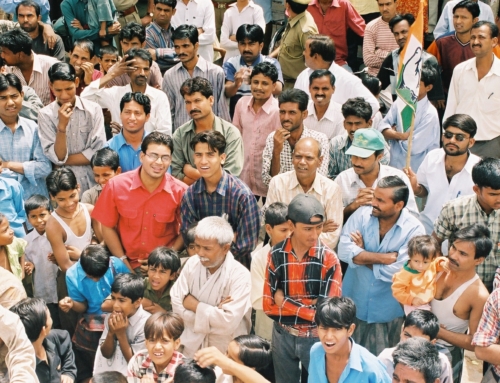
(458, 136)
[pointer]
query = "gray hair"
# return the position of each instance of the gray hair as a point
(215, 228)
(419, 355)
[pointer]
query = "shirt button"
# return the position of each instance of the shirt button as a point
(145, 228)
(143, 243)
(147, 212)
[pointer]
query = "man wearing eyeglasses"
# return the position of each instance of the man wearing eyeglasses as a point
(140, 210)
(445, 173)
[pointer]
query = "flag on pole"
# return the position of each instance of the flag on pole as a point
(410, 65)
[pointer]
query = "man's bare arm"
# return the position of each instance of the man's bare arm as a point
(370, 258)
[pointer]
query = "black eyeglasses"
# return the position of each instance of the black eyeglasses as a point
(458, 136)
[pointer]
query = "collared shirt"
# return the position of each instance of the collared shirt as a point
(142, 368)
(432, 175)
(293, 42)
(78, 9)
(426, 134)
(90, 196)
(284, 187)
(231, 198)
(83, 289)
(160, 40)
(31, 104)
(488, 330)
(24, 146)
(183, 154)
(465, 211)
(176, 76)
(254, 128)
(201, 14)
(332, 122)
(42, 48)
(154, 80)
(378, 42)
(164, 301)
(14, 253)
(347, 86)
(60, 358)
(9, 6)
(370, 289)
(316, 275)
(478, 99)
(286, 164)
(12, 205)
(142, 219)
(350, 183)
(339, 161)
(109, 98)
(45, 273)
(362, 366)
(129, 156)
(85, 134)
(338, 18)
(39, 79)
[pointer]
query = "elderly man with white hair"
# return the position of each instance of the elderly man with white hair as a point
(212, 293)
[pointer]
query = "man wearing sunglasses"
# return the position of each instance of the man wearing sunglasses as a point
(445, 173)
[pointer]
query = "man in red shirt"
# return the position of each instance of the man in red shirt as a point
(140, 210)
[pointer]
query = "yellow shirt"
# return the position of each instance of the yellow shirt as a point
(14, 253)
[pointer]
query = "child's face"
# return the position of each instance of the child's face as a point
(334, 339)
(278, 233)
(124, 305)
(102, 174)
(159, 277)
(107, 61)
(412, 332)
(38, 219)
(191, 249)
(6, 233)
(161, 350)
(419, 263)
(68, 201)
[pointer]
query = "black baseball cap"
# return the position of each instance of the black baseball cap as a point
(304, 208)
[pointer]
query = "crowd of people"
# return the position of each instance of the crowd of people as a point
(184, 199)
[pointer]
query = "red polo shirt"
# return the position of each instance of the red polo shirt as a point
(143, 220)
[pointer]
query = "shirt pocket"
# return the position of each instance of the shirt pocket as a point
(292, 49)
(130, 219)
(161, 223)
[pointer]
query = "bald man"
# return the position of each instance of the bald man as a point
(305, 179)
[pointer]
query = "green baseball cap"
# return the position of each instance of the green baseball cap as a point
(366, 142)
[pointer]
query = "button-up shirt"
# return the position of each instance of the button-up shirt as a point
(164, 301)
(12, 205)
(332, 122)
(78, 9)
(90, 196)
(129, 156)
(41, 47)
(465, 211)
(160, 40)
(478, 99)
(370, 289)
(286, 164)
(9, 6)
(85, 134)
(254, 128)
(24, 146)
(378, 42)
(60, 358)
(232, 198)
(141, 368)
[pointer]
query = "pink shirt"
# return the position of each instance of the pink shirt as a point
(254, 128)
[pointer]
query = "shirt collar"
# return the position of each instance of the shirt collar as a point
(296, 19)
(258, 60)
(50, 348)
(120, 139)
(335, 3)
(155, 25)
(316, 186)
(137, 182)
(137, 316)
(287, 247)
(494, 70)
(37, 66)
(18, 126)
(355, 361)
(267, 107)
(222, 186)
(329, 114)
(78, 103)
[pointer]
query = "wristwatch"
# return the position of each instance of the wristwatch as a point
(123, 257)
(151, 14)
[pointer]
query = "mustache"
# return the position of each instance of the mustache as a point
(195, 111)
(247, 53)
(453, 261)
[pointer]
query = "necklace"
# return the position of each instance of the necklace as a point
(71, 218)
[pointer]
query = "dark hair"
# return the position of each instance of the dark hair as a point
(251, 32)
(429, 74)
(33, 315)
(157, 138)
(86, 45)
(161, 322)
(398, 18)
(463, 122)
(190, 372)
(214, 139)
(358, 107)
(379, 152)
(477, 234)
(95, 260)
(62, 72)
(255, 352)
(108, 50)
(36, 201)
(17, 40)
(486, 173)
(28, 3)
(323, 46)
(318, 73)
(266, 69)
(276, 214)
(109, 377)
(141, 53)
(335, 312)
(371, 83)
(297, 7)
(191, 233)
(401, 191)
(471, 6)
(492, 26)
(138, 97)
(419, 355)
(132, 30)
(197, 84)
(165, 257)
(171, 3)
(62, 179)
(10, 80)
(425, 320)
(128, 285)
(185, 31)
(105, 157)
(425, 245)
(295, 96)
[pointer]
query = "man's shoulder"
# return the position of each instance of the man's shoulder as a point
(172, 72)
(237, 186)
(374, 23)
(176, 185)
(315, 134)
(460, 204)
(345, 177)
(180, 132)
(46, 59)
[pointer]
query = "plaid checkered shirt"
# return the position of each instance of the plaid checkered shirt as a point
(142, 367)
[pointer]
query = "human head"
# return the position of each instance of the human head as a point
(306, 159)
(28, 15)
(135, 108)
(37, 209)
(428, 76)
(64, 189)
(400, 27)
(15, 46)
(164, 11)
(142, 64)
(81, 52)
(198, 96)
(213, 238)
(366, 151)
(458, 134)
(295, 6)
(156, 154)
(132, 35)
(416, 360)
(251, 351)
(293, 109)
(105, 164)
(306, 216)
(422, 250)
(263, 81)
(372, 83)
(94, 261)
(11, 96)
(389, 197)
(465, 14)
(469, 245)
(190, 233)
(209, 155)
(250, 38)
(276, 222)
(162, 332)
(319, 52)
(35, 317)
(421, 324)
(63, 82)
(387, 9)
(109, 377)
(163, 265)
(190, 372)
(483, 38)
(108, 56)
(127, 292)
(486, 178)
(185, 38)
(6, 233)
(357, 115)
(321, 87)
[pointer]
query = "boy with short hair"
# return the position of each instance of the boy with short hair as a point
(108, 56)
(55, 360)
(277, 228)
(123, 334)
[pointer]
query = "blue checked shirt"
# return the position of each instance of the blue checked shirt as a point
(233, 199)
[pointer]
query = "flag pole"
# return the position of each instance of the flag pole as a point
(410, 141)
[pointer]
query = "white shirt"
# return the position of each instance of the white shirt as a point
(432, 175)
(199, 13)
(233, 19)
(347, 86)
(332, 122)
(160, 118)
(478, 99)
(350, 183)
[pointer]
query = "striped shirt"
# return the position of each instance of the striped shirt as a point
(141, 368)
(377, 44)
(160, 40)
